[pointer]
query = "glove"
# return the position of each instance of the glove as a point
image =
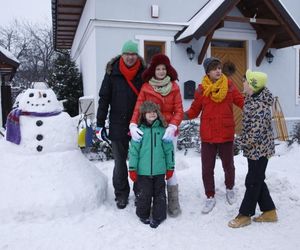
(169, 174)
(101, 134)
(136, 133)
(133, 175)
(170, 133)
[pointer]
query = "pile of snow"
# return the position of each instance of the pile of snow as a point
(46, 175)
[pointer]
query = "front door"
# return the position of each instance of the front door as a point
(232, 52)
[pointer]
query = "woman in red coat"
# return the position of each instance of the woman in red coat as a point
(161, 88)
(214, 99)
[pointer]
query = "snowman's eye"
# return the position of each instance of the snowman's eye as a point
(44, 95)
(31, 95)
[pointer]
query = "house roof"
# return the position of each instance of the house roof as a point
(271, 21)
(8, 63)
(65, 19)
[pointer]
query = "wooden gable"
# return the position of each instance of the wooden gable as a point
(269, 19)
(8, 67)
(65, 19)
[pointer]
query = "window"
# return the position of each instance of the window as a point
(151, 48)
(297, 89)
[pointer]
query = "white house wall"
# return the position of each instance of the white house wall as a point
(169, 10)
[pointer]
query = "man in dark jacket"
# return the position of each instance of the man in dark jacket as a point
(118, 93)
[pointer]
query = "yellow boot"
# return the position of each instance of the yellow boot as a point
(267, 216)
(240, 221)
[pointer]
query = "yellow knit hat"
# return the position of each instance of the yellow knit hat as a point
(257, 80)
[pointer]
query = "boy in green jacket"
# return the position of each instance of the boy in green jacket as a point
(151, 161)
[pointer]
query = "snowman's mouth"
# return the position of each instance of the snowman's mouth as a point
(37, 104)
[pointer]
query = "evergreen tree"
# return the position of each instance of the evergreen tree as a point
(66, 81)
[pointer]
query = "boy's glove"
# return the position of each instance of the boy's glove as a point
(133, 175)
(136, 133)
(169, 174)
(101, 134)
(170, 133)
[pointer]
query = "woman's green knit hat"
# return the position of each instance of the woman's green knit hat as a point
(130, 47)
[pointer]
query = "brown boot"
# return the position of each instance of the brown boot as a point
(240, 221)
(267, 216)
(173, 201)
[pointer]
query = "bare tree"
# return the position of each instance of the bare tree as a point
(32, 45)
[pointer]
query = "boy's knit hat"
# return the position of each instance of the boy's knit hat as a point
(148, 106)
(130, 47)
(157, 60)
(257, 80)
(208, 61)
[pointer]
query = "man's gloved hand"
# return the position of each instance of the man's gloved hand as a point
(136, 133)
(133, 175)
(169, 174)
(101, 134)
(170, 133)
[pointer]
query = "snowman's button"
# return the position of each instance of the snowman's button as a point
(39, 137)
(39, 123)
(39, 148)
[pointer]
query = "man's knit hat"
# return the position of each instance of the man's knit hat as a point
(157, 60)
(148, 106)
(130, 47)
(257, 80)
(208, 61)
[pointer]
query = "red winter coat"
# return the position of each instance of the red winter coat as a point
(170, 105)
(217, 120)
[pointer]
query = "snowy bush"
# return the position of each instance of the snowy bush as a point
(189, 136)
(295, 134)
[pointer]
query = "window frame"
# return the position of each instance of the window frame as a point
(146, 38)
(297, 85)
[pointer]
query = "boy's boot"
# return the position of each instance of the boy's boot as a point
(173, 201)
(267, 216)
(240, 221)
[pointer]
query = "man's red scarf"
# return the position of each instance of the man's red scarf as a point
(130, 73)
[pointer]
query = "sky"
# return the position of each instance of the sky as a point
(30, 10)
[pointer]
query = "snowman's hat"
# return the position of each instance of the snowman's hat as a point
(39, 85)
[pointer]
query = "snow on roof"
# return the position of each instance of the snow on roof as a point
(200, 18)
(8, 54)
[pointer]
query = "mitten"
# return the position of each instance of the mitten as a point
(101, 134)
(169, 174)
(133, 175)
(136, 133)
(170, 133)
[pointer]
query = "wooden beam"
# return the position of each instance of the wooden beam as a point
(252, 20)
(68, 13)
(204, 47)
(72, 6)
(265, 50)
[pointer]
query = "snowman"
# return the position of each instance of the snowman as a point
(43, 173)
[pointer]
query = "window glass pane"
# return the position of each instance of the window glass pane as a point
(227, 43)
(152, 48)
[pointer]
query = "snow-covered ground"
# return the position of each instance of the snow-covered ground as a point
(110, 228)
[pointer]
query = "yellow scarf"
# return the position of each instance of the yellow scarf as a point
(217, 90)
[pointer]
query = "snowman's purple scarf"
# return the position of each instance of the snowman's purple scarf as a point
(13, 132)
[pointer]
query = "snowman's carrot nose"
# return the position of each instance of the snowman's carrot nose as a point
(40, 94)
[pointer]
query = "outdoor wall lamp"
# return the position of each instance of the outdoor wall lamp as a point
(190, 53)
(269, 56)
